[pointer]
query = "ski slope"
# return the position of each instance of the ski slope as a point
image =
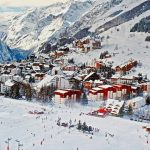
(17, 123)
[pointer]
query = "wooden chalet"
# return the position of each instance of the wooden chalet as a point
(57, 54)
(9, 66)
(126, 66)
(39, 76)
(88, 44)
(70, 68)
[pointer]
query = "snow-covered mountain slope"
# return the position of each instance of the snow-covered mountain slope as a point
(107, 14)
(37, 26)
(5, 22)
(7, 54)
(129, 45)
(32, 129)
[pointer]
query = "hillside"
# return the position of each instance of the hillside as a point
(32, 129)
(37, 26)
(8, 54)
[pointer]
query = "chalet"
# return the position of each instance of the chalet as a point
(56, 71)
(59, 62)
(105, 55)
(39, 76)
(102, 112)
(70, 68)
(98, 64)
(92, 76)
(5, 77)
(9, 67)
(115, 78)
(46, 67)
(145, 87)
(88, 84)
(33, 73)
(89, 69)
(114, 106)
(126, 80)
(98, 83)
(68, 95)
(8, 86)
(136, 90)
(21, 66)
(75, 82)
(56, 81)
(88, 44)
(27, 77)
(96, 44)
(32, 56)
(127, 66)
(57, 54)
(16, 71)
(36, 68)
(69, 74)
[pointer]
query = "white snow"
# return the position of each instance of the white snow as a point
(17, 123)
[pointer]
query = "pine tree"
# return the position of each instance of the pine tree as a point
(79, 126)
(130, 110)
(28, 92)
(84, 127)
(15, 92)
(148, 100)
(84, 99)
(30, 79)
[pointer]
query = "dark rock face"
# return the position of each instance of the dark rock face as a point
(8, 54)
(116, 13)
(142, 26)
(147, 39)
(83, 33)
(47, 47)
(126, 16)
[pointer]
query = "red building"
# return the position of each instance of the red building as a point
(62, 96)
(105, 92)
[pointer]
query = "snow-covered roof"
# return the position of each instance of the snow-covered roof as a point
(116, 76)
(9, 83)
(89, 75)
(36, 67)
(114, 105)
(45, 82)
(61, 91)
(96, 89)
(77, 78)
(98, 81)
(105, 86)
(69, 73)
